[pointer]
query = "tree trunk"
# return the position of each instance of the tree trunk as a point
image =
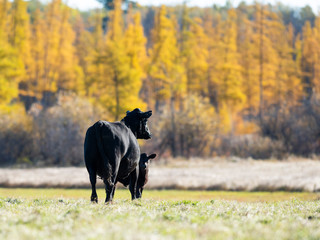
(116, 84)
(173, 130)
(261, 67)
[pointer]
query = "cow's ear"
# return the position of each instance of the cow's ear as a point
(146, 114)
(133, 113)
(152, 156)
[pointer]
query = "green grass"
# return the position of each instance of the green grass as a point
(67, 214)
(124, 194)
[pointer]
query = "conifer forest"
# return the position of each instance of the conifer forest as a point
(221, 81)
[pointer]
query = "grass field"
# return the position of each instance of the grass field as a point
(67, 214)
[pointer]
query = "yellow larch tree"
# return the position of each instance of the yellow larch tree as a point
(308, 59)
(51, 46)
(61, 69)
(135, 44)
(94, 73)
(37, 53)
(284, 88)
(311, 57)
(267, 56)
(4, 16)
(11, 69)
(212, 28)
(250, 73)
(165, 71)
(289, 89)
(316, 75)
(70, 75)
(19, 38)
(83, 48)
(227, 76)
(195, 58)
(121, 81)
(11, 65)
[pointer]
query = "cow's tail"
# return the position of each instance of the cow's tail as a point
(105, 159)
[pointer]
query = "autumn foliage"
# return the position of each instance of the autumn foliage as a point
(218, 79)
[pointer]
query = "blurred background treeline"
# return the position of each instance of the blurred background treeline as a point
(221, 81)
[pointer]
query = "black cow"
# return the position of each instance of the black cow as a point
(111, 151)
(143, 173)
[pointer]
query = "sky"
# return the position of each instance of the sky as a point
(89, 4)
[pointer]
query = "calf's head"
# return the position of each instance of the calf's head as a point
(136, 120)
(144, 168)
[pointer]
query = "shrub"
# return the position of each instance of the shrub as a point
(253, 146)
(60, 130)
(186, 132)
(298, 127)
(16, 137)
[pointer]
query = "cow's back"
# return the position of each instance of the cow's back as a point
(118, 146)
(117, 139)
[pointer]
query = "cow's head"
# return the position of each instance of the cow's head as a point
(136, 120)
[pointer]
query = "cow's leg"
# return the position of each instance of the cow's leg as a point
(93, 180)
(91, 157)
(111, 184)
(138, 193)
(133, 183)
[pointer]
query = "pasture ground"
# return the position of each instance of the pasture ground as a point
(68, 214)
(195, 174)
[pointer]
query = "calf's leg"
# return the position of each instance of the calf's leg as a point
(140, 192)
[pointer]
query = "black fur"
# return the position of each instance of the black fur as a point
(143, 173)
(111, 151)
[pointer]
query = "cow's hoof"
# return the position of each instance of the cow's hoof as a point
(94, 200)
(108, 203)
